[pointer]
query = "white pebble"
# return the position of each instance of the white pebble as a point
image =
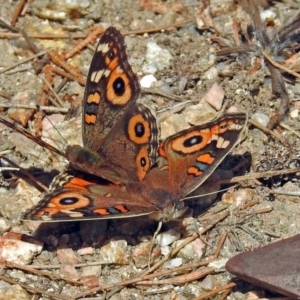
(218, 265)
(18, 251)
(261, 118)
(156, 58)
(294, 113)
(147, 81)
(168, 237)
(173, 263)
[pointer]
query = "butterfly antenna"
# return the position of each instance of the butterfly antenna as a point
(59, 133)
(207, 194)
(31, 137)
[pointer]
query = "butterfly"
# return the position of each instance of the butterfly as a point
(116, 174)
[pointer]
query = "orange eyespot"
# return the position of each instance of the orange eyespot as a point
(69, 200)
(118, 88)
(139, 129)
(143, 163)
(191, 142)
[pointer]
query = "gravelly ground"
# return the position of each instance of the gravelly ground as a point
(194, 68)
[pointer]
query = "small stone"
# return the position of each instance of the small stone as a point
(18, 251)
(261, 118)
(135, 24)
(91, 270)
(233, 109)
(199, 114)
(267, 14)
(163, 87)
(239, 197)
(214, 96)
(255, 295)
(114, 252)
(297, 88)
(75, 87)
(209, 282)
(156, 58)
(60, 9)
(22, 115)
(160, 101)
(169, 17)
(116, 297)
(90, 281)
(289, 186)
(21, 143)
(44, 257)
(193, 288)
(86, 250)
(192, 251)
(140, 254)
(258, 136)
(218, 265)
(3, 284)
(69, 271)
(14, 292)
(168, 237)
(4, 225)
(18, 275)
(147, 81)
(166, 250)
(240, 91)
(67, 256)
(68, 127)
(173, 263)
(173, 124)
(211, 73)
(150, 68)
(294, 113)
(50, 121)
(181, 84)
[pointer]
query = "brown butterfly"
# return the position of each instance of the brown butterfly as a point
(119, 176)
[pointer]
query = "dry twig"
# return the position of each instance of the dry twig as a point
(17, 12)
(215, 291)
(35, 290)
(52, 276)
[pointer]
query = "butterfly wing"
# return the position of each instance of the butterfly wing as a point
(120, 137)
(128, 151)
(75, 199)
(111, 88)
(193, 154)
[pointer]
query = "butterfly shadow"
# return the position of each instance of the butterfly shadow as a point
(201, 199)
(76, 234)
